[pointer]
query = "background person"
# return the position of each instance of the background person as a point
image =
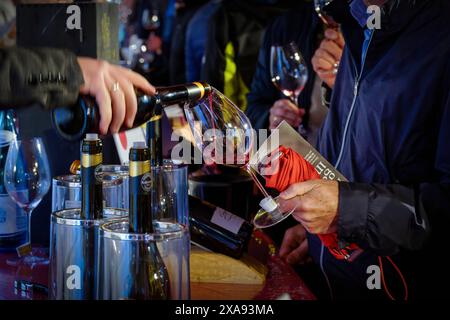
(267, 106)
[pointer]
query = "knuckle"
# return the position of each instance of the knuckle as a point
(102, 65)
(303, 208)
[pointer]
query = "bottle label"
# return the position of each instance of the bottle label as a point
(12, 218)
(91, 160)
(227, 220)
(139, 168)
(146, 182)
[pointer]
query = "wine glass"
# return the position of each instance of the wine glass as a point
(150, 19)
(27, 180)
(225, 135)
(289, 72)
(319, 6)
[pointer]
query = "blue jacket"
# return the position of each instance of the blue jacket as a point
(388, 132)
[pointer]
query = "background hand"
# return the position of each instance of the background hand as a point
(284, 109)
(113, 89)
(294, 248)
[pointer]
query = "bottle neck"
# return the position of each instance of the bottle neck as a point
(91, 184)
(183, 93)
(140, 185)
(72, 123)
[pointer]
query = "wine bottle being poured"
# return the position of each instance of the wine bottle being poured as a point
(151, 280)
(73, 122)
(91, 186)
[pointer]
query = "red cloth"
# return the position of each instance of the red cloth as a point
(293, 168)
(283, 279)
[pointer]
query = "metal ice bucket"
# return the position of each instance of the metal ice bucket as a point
(74, 248)
(120, 249)
(66, 189)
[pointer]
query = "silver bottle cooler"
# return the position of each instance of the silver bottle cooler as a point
(74, 248)
(119, 252)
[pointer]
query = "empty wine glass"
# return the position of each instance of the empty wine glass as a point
(289, 72)
(225, 135)
(27, 180)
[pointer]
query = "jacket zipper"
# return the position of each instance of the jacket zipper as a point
(355, 96)
(344, 136)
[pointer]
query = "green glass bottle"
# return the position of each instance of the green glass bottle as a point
(151, 279)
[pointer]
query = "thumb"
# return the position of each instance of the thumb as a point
(297, 189)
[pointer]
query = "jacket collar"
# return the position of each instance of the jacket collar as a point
(396, 15)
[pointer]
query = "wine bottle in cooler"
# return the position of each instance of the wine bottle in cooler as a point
(91, 184)
(151, 281)
(73, 122)
(217, 229)
(13, 220)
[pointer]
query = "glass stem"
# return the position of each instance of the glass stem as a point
(28, 213)
(302, 128)
(248, 168)
(294, 98)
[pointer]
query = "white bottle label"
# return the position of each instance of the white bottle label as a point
(12, 218)
(227, 220)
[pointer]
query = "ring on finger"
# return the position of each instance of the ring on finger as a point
(115, 87)
(335, 67)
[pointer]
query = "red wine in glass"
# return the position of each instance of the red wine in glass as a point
(225, 136)
(289, 72)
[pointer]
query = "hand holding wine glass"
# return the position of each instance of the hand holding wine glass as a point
(327, 57)
(285, 110)
(27, 180)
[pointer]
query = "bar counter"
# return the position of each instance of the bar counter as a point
(280, 279)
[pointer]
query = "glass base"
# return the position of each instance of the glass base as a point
(37, 256)
(265, 219)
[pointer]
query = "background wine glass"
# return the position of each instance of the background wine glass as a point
(150, 19)
(27, 180)
(289, 72)
(319, 6)
(225, 135)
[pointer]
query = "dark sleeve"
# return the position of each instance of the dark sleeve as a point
(263, 93)
(46, 76)
(387, 218)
